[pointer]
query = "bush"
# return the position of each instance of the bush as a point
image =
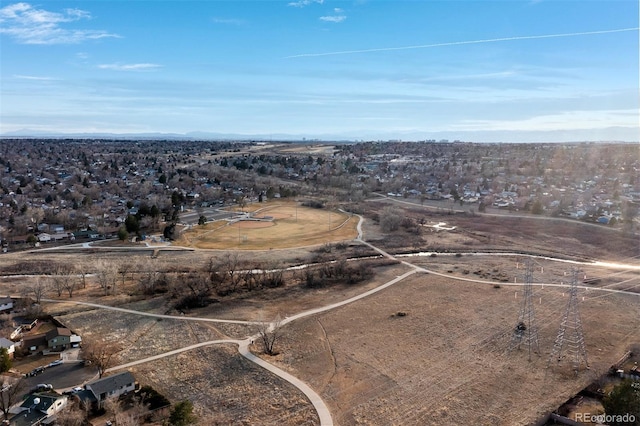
(152, 397)
(390, 219)
(314, 204)
(123, 235)
(182, 414)
(193, 301)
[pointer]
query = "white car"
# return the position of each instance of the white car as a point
(54, 363)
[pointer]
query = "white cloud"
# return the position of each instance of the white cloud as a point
(566, 120)
(337, 10)
(32, 77)
(228, 21)
(28, 25)
(303, 3)
(129, 67)
(335, 19)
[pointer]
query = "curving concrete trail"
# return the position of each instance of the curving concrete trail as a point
(324, 414)
(321, 408)
(149, 314)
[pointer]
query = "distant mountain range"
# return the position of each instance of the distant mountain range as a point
(610, 134)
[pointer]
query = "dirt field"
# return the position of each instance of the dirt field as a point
(445, 362)
(275, 225)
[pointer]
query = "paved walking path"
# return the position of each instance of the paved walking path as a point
(243, 345)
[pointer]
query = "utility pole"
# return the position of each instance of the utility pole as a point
(526, 331)
(569, 345)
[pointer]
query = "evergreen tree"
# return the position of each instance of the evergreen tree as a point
(182, 414)
(624, 399)
(5, 360)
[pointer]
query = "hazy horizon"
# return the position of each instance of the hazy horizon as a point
(481, 71)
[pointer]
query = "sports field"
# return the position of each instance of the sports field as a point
(273, 225)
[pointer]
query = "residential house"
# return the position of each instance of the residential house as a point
(56, 229)
(9, 345)
(6, 304)
(34, 343)
(86, 234)
(37, 409)
(111, 387)
(44, 237)
(59, 339)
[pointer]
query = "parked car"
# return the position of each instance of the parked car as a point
(44, 387)
(54, 363)
(35, 371)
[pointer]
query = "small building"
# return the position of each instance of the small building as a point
(34, 343)
(111, 387)
(8, 345)
(44, 237)
(86, 234)
(37, 408)
(58, 339)
(6, 304)
(75, 340)
(56, 228)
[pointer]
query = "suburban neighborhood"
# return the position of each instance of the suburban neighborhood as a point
(66, 191)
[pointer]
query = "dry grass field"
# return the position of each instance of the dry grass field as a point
(445, 362)
(277, 225)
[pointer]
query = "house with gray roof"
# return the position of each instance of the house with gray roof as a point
(111, 386)
(6, 304)
(9, 345)
(37, 409)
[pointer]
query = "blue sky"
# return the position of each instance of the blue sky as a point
(474, 70)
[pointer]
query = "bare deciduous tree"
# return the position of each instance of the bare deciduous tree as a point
(131, 416)
(11, 389)
(149, 279)
(232, 265)
(81, 270)
(271, 275)
(71, 284)
(38, 289)
(107, 276)
(390, 218)
(123, 270)
(60, 279)
(99, 353)
(72, 415)
(269, 333)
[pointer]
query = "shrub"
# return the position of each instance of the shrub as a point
(154, 398)
(314, 204)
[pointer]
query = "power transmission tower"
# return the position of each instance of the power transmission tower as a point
(526, 331)
(569, 345)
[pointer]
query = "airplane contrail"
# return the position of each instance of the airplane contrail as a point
(457, 43)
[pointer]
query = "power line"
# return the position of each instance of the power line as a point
(526, 331)
(569, 344)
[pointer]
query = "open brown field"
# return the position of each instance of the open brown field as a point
(282, 225)
(445, 362)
